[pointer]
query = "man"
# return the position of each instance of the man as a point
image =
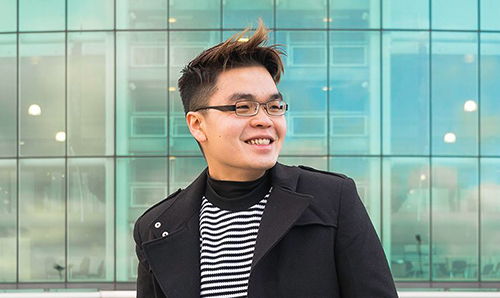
(249, 226)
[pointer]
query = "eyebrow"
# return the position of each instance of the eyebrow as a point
(248, 96)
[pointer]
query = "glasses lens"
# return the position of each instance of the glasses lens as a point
(246, 108)
(276, 107)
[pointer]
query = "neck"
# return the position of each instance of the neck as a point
(235, 174)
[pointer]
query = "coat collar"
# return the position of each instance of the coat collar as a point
(175, 258)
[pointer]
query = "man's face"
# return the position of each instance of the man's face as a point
(230, 152)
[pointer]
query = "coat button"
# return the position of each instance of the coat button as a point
(164, 234)
(157, 224)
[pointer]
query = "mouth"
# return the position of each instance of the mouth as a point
(259, 141)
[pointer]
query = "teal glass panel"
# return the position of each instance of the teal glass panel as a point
(8, 95)
(38, 15)
(454, 205)
(490, 92)
(239, 14)
(489, 14)
(183, 171)
(301, 14)
(365, 171)
(454, 93)
(90, 93)
(229, 33)
(459, 14)
(405, 79)
(490, 219)
(320, 163)
(90, 213)
(8, 15)
(90, 14)
(184, 47)
(8, 221)
(195, 14)
(303, 88)
(406, 14)
(140, 183)
(354, 14)
(42, 203)
(41, 94)
(406, 217)
(354, 93)
(141, 90)
(146, 14)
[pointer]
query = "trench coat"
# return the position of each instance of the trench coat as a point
(315, 240)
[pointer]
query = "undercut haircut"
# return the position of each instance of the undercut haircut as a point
(199, 78)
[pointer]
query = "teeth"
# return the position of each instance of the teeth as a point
(259, 141)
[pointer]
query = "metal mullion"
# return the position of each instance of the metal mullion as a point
(328, 85)
(431, 234)
(17, 146)
(66, 180)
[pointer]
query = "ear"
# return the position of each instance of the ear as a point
(195, 122)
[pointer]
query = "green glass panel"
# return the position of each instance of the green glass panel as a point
(140, 183)
(42, 15)
(42, 191)
(145, 14)
(320, 163)
(406, 14)
(301, 14)
(354, 92)
(183, 171)
(456, 15)
(41, 92)
(239, 14)
(8, 221)
(489, 14)
(90, 14)
(454, 219)
(8, 15)
(141, 89)
(354, 14)
(406, 217)
(8, 95)
(195, 14)
(405, 81)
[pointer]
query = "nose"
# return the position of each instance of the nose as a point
(262, 119)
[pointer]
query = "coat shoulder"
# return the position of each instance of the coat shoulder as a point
(321, 174)
(154, 211)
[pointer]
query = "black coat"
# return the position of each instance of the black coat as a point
(315, 240)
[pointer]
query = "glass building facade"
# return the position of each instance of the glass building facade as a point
(401, 95)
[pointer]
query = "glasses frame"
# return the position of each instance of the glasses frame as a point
(232, 108)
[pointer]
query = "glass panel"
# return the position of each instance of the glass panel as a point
(354, 14)
(459, 14)
(42, 190)
(90, 14)
(146, 14)
(141, 183)
(184, 170)
(301, 14)
(320, 163)
(141, 89)
(195, 14)
(406, 217)
(184, 46)
(454, 218)
(8, 221)
(490, 219)
(489, 15)
(229, 33)
(365, 171)
(490, 92)
(8, 15)
(406, 92)
(36, 15)
(303, 88)
(354, 93)
(8, 91)
(41, 93)
(454, 93)
(90, 93)
(91, 220)
(239, 14)
(406, 14)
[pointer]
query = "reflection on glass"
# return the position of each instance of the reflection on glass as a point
(320, 163)
(354, 93)
(133, 14)
(490, 219)
(8, 16)
(194, 14)
(8, 219)
(90, 216)
(301, 14)
(406, 14)
(36, 15)
(41, 82)
(42, 189)
(406, 92)
(184, 46)
(90, 14)
(183, 171)
(406, 217)
(489, 14)
(490, 92)
(140, 183)
(454, 218)
(90, 94)
(359, 14)
(454, 82)
(239, 14)
(459, 14)
(141, 89)
(8, 93)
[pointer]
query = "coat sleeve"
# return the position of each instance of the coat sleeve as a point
(362, 267)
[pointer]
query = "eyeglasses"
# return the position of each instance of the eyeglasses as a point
(248, 108)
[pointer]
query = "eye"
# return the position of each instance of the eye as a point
(275, 106)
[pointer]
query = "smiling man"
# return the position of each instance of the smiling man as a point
(249, 226)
